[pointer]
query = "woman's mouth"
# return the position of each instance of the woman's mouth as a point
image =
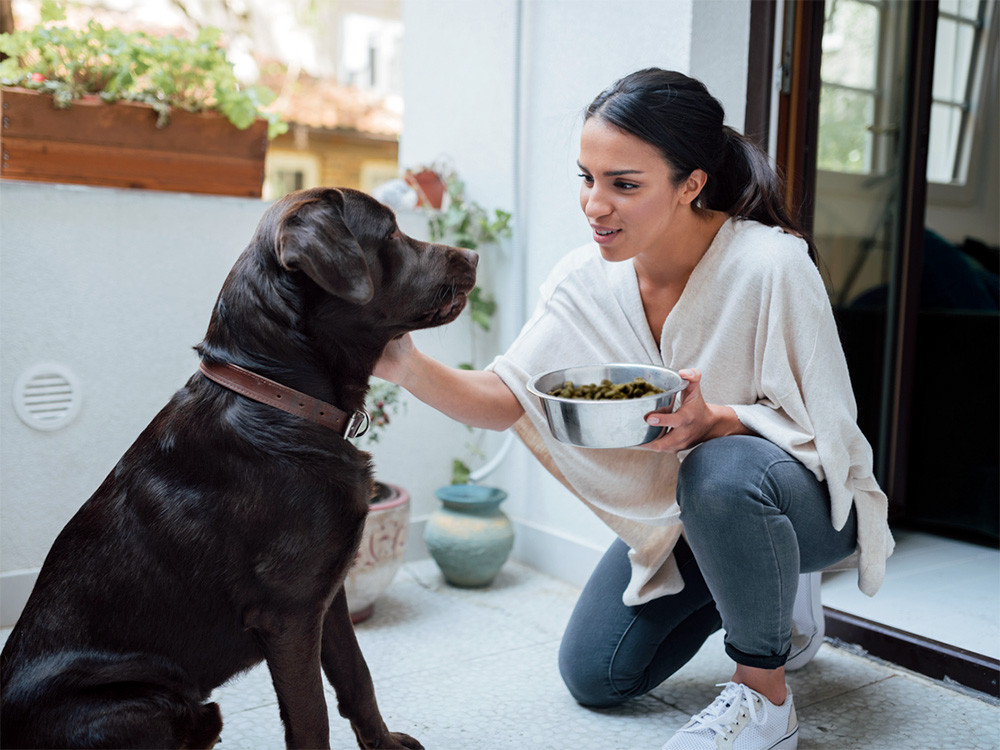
(604, 235)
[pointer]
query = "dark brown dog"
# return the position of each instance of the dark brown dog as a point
(223, 536)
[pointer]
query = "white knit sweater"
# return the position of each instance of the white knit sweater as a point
(756, 320)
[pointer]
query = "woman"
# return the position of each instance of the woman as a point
(763, 472)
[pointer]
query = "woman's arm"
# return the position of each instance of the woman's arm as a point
(477, 398)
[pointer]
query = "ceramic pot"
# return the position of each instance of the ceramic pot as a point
(429, 186)
(469, 538)
(383, 545)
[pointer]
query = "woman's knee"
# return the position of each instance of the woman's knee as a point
(587, 681)
(719, 470)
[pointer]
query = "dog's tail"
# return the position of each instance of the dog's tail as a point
(79, 699)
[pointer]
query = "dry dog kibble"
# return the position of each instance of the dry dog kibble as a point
(606, 390)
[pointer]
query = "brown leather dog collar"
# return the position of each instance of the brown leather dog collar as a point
(274, 394)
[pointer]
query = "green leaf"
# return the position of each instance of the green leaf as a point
(460, 473)
(52, 11)
(481, 308)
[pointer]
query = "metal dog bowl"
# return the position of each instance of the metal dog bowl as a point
(605, 423)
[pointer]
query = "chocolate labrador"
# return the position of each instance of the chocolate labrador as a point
(223, 536)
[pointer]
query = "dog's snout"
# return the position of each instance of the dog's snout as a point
(472, 256)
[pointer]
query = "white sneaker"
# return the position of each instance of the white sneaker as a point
(808, 626)
(740, 719)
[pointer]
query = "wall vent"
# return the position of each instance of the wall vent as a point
(47, 396)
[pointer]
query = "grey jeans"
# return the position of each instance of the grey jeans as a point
(754, 518)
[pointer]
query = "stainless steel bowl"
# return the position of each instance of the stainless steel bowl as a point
(605, 423)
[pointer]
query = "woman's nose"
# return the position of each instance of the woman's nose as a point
(594, 203)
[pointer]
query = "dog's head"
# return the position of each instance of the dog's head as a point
(328, 268)
(350, 246)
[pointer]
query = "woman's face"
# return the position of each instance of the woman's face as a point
(627, 193)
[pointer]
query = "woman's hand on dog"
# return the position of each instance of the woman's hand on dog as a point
(392, 365)
(477, 398)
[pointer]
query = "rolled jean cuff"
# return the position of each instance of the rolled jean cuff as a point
(754, 660)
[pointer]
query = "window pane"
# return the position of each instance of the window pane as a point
(952, 58)
(845, 143)
(850, 44)
(946, 128)
(965, 8)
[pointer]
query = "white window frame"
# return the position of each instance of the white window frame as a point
(982, 79)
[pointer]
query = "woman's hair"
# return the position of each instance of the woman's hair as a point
(677, 115)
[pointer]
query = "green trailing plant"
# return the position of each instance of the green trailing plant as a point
(464, 223)
(164, 72)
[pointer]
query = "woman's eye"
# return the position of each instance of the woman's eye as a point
(626, 185)
(586, 178)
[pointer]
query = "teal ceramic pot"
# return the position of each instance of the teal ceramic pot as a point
(469, 538)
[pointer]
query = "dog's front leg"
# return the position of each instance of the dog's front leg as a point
(347, 671)
(291, 648)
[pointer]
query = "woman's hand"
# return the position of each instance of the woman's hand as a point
(477, 398)
(394, 362)
(694, 421)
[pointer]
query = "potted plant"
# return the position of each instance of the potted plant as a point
(465, 223)
(102, 106)
(453, 219)
(469, 537)
(457, 528)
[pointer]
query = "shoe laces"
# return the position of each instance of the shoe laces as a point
(725, 710)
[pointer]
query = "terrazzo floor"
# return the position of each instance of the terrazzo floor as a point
(476, 669)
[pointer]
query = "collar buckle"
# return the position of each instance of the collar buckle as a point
(357, 424)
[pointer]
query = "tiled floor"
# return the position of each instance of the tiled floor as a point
(936, 587)
(474, 669)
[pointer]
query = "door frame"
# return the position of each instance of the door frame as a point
(795, 156)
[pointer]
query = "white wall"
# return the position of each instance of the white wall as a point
(500, 88)
(117, 285)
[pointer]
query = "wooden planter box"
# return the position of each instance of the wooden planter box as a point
(119, 145)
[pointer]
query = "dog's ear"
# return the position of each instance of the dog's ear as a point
(313, 238)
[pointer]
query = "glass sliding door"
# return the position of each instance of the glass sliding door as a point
(910, 259)
(858, 193)
(954, 483)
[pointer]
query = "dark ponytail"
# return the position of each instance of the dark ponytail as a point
(677, 114)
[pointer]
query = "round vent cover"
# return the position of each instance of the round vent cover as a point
(47, 396)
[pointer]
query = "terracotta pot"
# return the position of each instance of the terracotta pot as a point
(119, 145)
(429, 186)
(383, 546)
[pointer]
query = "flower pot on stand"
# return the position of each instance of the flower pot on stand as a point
(380, 554)
(469, 537)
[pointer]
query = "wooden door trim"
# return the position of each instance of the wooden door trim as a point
(912, 217)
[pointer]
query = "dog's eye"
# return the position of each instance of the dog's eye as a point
(393, 234)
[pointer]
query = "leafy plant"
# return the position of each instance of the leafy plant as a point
(382, 402)
(467, 224)
(163, 72)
